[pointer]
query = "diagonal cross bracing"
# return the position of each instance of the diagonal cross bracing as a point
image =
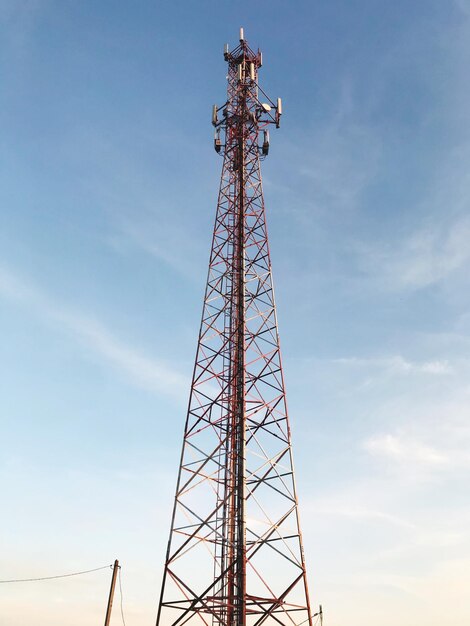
(235, 555)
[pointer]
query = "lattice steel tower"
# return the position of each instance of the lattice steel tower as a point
(235, 555)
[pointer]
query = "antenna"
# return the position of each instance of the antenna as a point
(278, 112)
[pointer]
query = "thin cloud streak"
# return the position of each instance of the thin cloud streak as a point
(426, 258)
(360, 514)
(163, 242)
(400, 365)
(142, 371)
(405, 451)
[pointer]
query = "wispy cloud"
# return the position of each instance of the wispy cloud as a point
(405, 451)
(397, 364)
(464, 6)
(337, 159)
(17, 21)
(162, 239)
(344, 151)
(360, 514)
(139, 369)
(427, 257)
(431, 245)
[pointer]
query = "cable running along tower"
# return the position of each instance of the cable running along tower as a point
(235, 555)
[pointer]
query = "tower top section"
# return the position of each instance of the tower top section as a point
(243, 53)
(248, 110)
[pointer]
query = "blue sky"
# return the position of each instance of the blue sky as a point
(108, 187)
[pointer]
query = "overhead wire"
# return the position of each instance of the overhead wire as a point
(120, 593)
(29, 580)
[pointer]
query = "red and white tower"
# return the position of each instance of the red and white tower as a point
(235, 554)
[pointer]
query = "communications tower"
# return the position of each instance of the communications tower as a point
(235, 554)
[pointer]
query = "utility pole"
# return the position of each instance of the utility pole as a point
(111, 593)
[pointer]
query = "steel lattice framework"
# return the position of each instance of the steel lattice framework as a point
(235, 554)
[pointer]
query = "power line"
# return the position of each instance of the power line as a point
(29, 580)
(120, 592)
